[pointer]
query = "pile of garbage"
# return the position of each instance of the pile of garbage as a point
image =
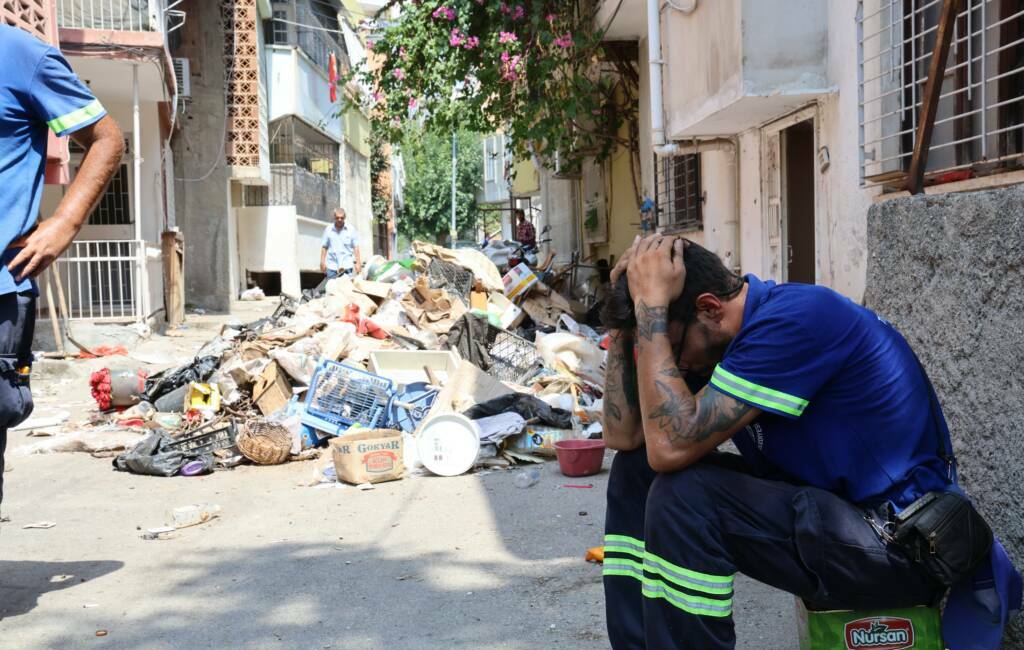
(435, 364)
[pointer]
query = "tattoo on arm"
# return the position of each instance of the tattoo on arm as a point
(670, 414)
(716, 412)
(651, 321)
(621, 392)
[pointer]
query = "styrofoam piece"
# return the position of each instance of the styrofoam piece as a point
(405, 367)
(448, 444)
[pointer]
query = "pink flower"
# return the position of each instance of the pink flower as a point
(551, 18)
(402, 53)
(471, 43)
(378, 97)
(564, 41)
(518, 13)
(444, 12)
(399, 73)
(412, 102)
(505, 9)
(369, 45)
(455, 39)
(510, 66)
(507, 37)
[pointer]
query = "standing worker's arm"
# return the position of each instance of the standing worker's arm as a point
(359, 261)
(679, 427)
(56, 97)
(323, 259)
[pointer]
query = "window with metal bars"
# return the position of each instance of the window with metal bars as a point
(979, 123)
(114, 208)
(678, 192)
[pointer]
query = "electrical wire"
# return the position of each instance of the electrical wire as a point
(218, 159)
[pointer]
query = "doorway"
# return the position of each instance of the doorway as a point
(798, 160)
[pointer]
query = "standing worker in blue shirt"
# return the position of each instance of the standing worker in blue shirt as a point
(339, 254)
(838, 430)
(39, 91)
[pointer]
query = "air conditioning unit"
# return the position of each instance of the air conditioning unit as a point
(183, 77)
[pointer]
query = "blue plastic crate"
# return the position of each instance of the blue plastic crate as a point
(340, 396)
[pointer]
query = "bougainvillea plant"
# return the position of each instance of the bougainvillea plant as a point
(536, 69)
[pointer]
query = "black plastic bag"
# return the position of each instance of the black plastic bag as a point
(199, 370)
(527, 406)
(152, 457)
(468, 336)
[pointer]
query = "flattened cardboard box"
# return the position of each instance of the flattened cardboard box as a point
(372, 456)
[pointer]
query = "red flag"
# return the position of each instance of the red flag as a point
(332, 72)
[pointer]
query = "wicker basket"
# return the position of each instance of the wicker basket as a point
(265, 443)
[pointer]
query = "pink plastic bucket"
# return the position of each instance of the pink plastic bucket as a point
(580, 457)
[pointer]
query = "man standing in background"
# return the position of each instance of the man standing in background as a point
(339, 254)
(38, 90)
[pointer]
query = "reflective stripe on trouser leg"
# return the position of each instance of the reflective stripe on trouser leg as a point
(688, 574)
(628, 482)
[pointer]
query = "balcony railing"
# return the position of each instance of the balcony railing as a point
(120, 15)
(312, 195)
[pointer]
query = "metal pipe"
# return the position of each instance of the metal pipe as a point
(137, 190)
(654, 63)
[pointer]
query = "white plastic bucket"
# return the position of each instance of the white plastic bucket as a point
(448, 444)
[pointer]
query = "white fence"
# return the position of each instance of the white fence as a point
(100, 280)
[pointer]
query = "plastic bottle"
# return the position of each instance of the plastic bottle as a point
(527, 478)
(198, 513)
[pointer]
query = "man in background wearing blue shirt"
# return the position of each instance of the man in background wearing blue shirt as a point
(339, 254)
(39, 91)
(834, 419)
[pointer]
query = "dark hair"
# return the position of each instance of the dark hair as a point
(705, 273)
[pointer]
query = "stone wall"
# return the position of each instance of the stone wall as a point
(948, 271)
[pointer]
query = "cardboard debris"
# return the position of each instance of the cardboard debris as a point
(432, 309)
(272, 390)
(371, 456)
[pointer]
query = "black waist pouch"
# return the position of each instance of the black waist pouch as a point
(943, 533)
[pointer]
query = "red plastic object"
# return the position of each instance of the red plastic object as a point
(580, 457)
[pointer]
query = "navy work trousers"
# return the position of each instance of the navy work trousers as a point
(17, 325)
(673, 543)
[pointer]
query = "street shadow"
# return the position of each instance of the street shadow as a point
(351, 597)
(23, 582)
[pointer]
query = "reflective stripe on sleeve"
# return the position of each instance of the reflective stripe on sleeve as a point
(77, 117)
(768, 398)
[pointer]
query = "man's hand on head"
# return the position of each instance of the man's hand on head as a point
(656, 271)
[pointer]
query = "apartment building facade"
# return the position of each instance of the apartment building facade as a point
(767, 128)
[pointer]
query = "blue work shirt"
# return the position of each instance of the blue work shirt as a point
(341, 247)
(38, 90)
(846, 405)
(847, 408)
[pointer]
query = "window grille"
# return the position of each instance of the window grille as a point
(678, 192)
(114, 206)
(979, 124)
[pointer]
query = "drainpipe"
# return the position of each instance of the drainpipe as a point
(733, 223)
(142, 298)
(655, 64)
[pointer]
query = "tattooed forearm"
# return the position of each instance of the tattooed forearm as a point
(671, 413)
(650, 320)
(717, 412)
(620, 394)
(670, 369)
